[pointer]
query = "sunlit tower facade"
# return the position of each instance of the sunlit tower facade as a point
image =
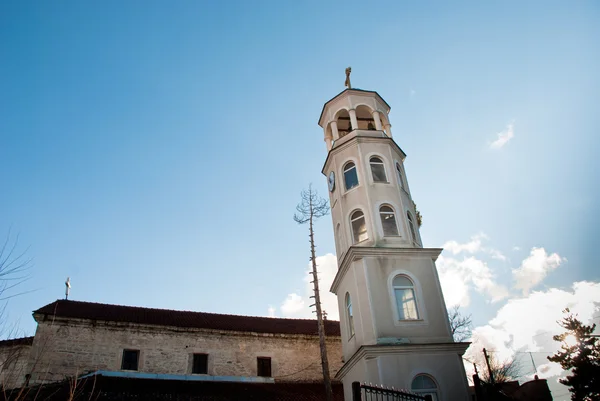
(394, 323)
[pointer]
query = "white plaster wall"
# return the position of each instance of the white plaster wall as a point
(433, 326)
(368, 196)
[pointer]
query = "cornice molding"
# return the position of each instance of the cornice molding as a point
(359, 252)
(373, 351)
(360, 139)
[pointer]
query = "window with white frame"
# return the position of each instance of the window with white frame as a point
(425, 385)
(411, 225)
(350, 176)
(359, 227)
(377, 169)
(388, 221)
(406, 303)
(399, 173)
(349, 315)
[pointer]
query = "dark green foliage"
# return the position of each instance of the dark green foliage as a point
(580, 354)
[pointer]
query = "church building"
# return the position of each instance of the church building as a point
(393, 329)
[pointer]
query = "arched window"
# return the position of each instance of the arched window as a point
(377, 169)
(404, 292)
(350, 176)
(399, 172)
(425, 385)
(388, 221)
(411, 225)
(349, 315)
(359, 227)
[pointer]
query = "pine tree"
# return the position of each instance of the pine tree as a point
(580, 354)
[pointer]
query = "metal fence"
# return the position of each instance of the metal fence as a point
(363, 392)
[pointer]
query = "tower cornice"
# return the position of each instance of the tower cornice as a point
(359, 252)
(360, 136)
(372, 351)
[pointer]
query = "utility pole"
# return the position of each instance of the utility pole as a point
(487, 362)
(309, 209)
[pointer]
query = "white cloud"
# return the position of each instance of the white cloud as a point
(292, 304)
(528, 324)
(299, 306)
(474, 245)
(535, 268)
(504, 136)
(457, 276)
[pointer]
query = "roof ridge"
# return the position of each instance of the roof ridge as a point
(63, 301)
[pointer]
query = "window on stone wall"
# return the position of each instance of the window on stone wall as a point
(200, 364)
(359, 227)
(130, 359)
(350, 176)
(388, 221)
(263, 366)
(377, 169)
(404, 291)
(399, 172)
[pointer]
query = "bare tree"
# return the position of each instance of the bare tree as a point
(502, 371)
(13, 267)
(460, 324)
(310, 208)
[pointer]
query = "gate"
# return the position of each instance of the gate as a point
(362, 392)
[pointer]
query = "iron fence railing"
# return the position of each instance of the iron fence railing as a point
(364, 392)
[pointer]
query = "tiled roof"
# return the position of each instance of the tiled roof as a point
(200, 320)
(16, 341)
(102, 388)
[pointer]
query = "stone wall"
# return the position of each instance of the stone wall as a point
(14, 360)
(74, 346)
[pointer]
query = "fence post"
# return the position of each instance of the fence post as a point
(356, 396)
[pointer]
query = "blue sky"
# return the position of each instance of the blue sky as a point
(155, 152)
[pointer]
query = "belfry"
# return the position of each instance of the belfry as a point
(394, 323)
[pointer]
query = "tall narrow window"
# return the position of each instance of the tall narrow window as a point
(349, 315)
(404, 292)
(350, 176)
(359, 227)
(263, 366)
(130, 359)
(377, 169)
(411, 225)
(399, 172)
(425, 385)
(388, 221)
(200, 364)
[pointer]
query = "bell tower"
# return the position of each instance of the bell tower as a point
(394, 323)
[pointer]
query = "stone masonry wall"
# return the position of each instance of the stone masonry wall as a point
(67, 348)
(14, 361)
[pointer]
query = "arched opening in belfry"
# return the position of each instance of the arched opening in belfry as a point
(364, 116)
(344, 125)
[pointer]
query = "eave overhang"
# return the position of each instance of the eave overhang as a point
(361, 139)
(359, 252)
(373, 351)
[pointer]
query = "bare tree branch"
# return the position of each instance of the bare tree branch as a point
(503, 370)
(310, 208)
(460, 325)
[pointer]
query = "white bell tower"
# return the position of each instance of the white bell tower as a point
(395, 329)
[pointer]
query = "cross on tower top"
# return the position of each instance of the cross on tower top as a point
(347, 83)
